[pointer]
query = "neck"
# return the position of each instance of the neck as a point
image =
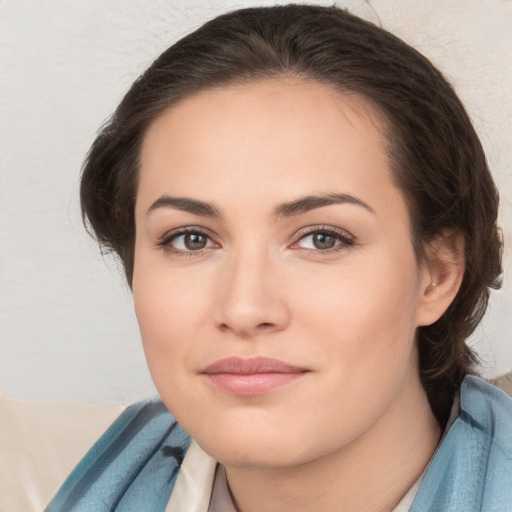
(373, 472)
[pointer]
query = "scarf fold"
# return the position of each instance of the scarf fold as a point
(471, 470)
(132, 468)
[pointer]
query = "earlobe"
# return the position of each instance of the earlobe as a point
(444, 271)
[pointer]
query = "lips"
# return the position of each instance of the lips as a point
(249, 377)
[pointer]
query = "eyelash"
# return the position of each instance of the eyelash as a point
(344, 239)
(168, 238)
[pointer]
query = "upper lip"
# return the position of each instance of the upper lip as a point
(238, 365)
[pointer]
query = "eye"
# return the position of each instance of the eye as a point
(320, 241)
(324, 240)
(186, 241)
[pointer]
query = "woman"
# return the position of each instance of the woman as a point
(308, 224)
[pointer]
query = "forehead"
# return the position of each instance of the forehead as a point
(300, 136)
(266, 101)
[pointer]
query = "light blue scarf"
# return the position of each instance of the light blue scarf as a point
(472, 468)
(133, 467)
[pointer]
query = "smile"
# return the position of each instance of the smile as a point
(251, 377)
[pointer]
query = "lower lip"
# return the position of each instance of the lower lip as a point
(252, 384)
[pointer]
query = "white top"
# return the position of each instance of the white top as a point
(201, 486)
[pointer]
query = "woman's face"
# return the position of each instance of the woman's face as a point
(275, 280)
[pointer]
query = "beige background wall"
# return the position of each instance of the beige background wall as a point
(67, 330)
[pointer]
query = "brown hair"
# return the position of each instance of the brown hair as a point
(437, 158)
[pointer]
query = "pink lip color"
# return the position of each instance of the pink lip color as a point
(249, 377)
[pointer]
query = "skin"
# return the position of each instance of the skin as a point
(358, 418)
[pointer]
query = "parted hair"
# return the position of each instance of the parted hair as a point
(436, 157)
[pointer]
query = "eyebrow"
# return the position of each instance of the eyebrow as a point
(308, 203)
(186, 204)
(290, 209)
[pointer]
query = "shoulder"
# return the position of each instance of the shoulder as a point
(472, 468)
(488, 410)
(134, 463)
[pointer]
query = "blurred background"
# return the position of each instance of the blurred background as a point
(67, 327)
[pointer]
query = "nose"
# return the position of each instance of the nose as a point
(252, 298)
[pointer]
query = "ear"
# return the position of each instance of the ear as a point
(442, 277)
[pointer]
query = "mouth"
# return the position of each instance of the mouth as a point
(251, 377)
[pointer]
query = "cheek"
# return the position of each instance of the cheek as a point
(365, 313)
(360, 326)
(167, 307)
(165, 331)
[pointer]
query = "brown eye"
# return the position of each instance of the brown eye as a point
(195, 241)
(187, 242)
(323, 241)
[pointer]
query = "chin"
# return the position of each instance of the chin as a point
(254, 454)
(258, 447)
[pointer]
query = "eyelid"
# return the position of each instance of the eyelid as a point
(164, 242)
(346, 238)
